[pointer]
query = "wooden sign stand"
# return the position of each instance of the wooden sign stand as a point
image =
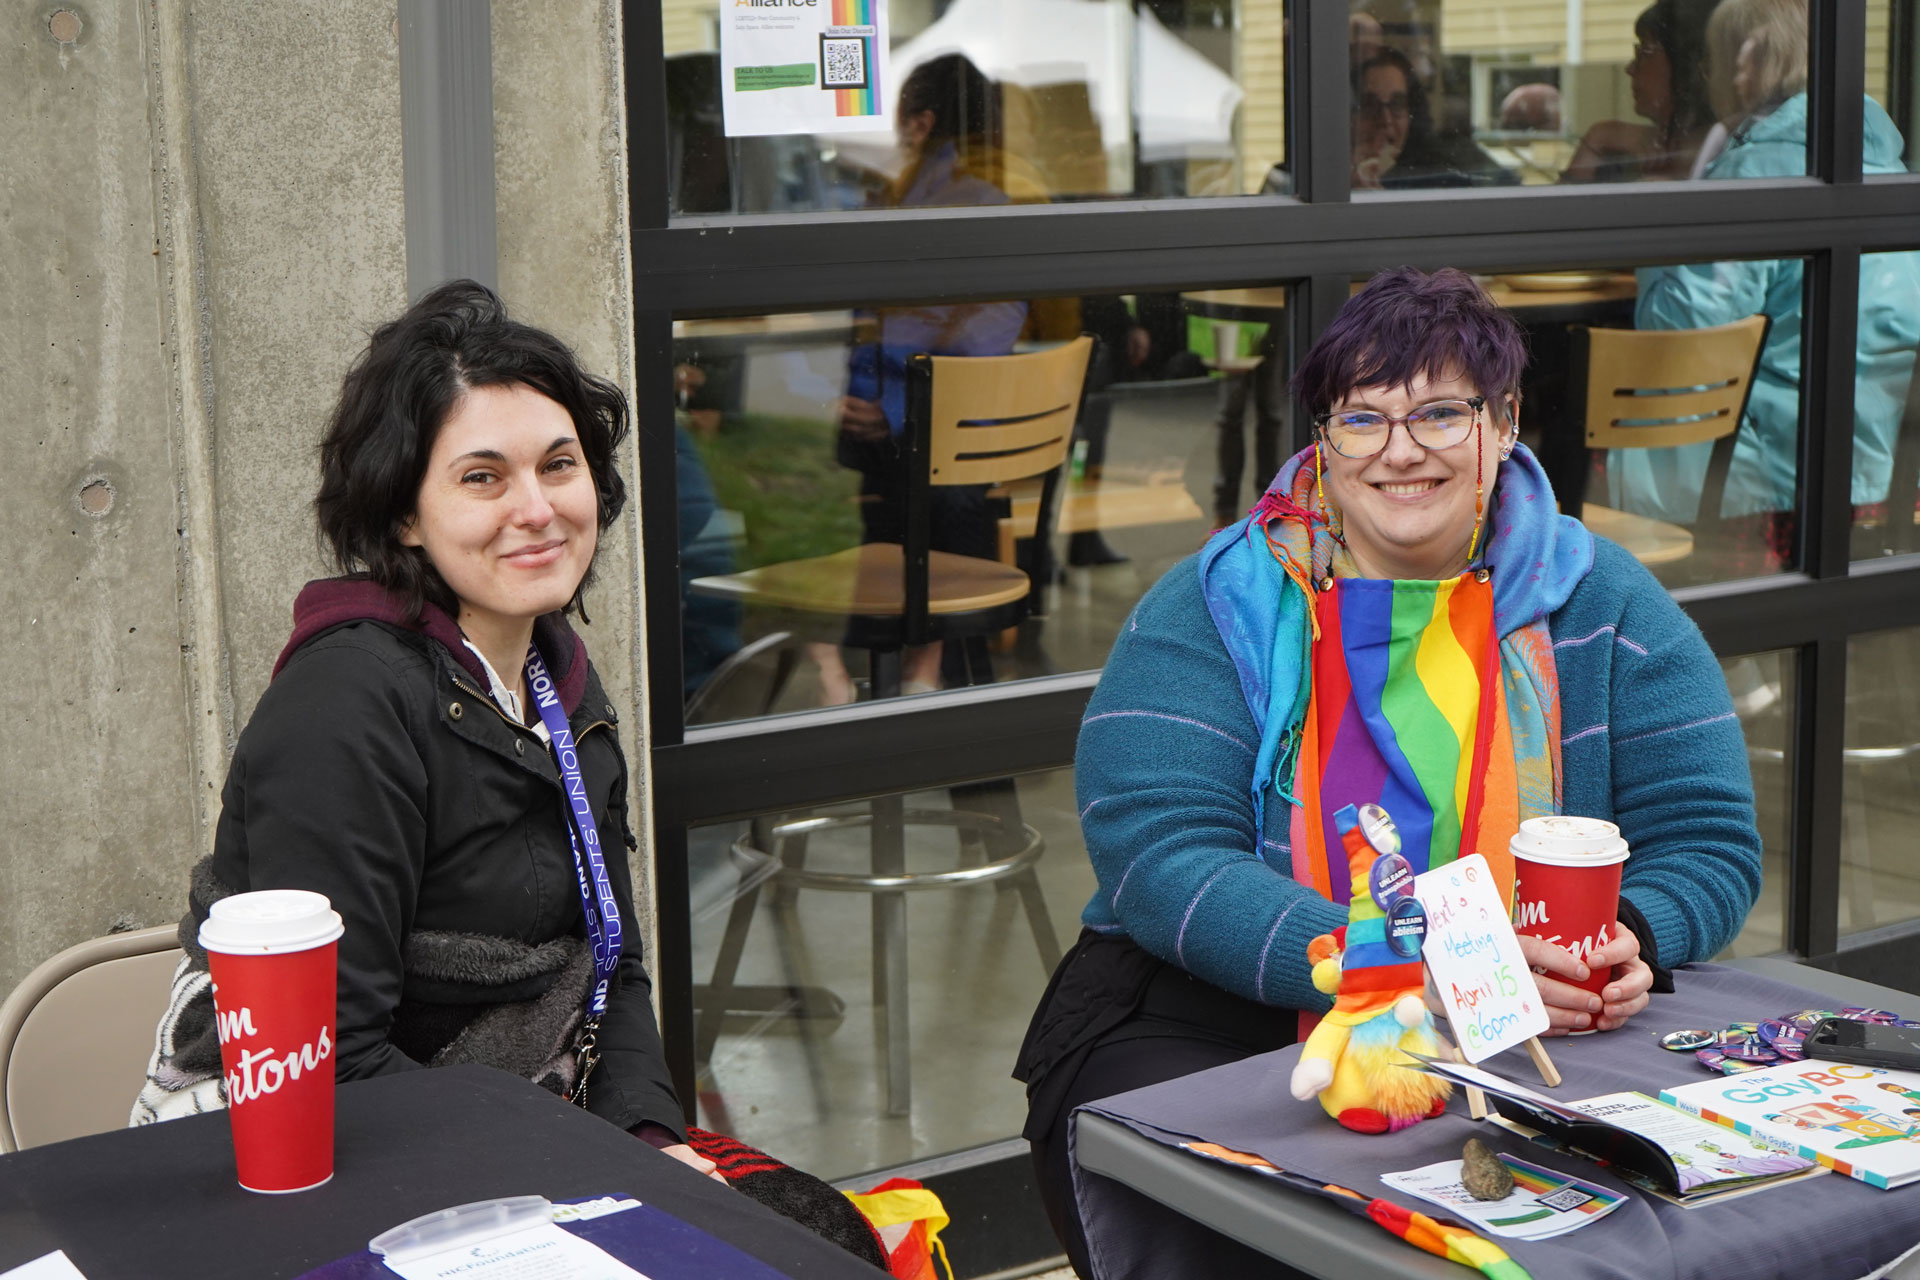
(1477, 1099)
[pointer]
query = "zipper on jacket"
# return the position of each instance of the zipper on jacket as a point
(463, 686)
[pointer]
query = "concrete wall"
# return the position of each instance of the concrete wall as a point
(201, 215)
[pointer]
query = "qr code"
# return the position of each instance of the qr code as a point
(843, 62)
(1566, 1198)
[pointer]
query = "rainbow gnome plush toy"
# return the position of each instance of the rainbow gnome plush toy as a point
(1354, 1061)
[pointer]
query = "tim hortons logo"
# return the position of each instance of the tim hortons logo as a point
(260, 1072)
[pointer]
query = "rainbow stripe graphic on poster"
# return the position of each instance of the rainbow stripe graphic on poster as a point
(849, 58)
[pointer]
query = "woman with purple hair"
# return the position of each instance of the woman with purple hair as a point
(1404, 619)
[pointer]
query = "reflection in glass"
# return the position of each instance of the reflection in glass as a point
(1893, 65)
(1879, 870)
(1559, 93)
(1080, 99)
(1762, 689)
(1886, 418)
(789, 1052)
(794, 429)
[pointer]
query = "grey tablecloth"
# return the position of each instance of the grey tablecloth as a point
(1830, 1226)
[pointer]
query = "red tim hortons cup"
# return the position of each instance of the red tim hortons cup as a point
(273, 963)
(1567, 885)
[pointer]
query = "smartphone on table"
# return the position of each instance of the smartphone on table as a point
(1868, 1044)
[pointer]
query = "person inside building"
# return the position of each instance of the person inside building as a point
(1200, 755)
(1396, 143)
(1668, 74)
(1758, 77)
(943, 123)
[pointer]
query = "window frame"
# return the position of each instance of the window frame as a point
(707, 265)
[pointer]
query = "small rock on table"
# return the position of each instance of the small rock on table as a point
(1481, 1172)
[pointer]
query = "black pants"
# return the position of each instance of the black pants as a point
(1262, 386)
(1176, 1025)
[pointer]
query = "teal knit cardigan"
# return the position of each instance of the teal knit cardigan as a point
(1648, 740)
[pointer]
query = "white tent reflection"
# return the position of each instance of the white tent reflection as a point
(1152, 96)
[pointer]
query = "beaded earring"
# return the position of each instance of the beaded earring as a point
(1479, 489)
(1320, 480)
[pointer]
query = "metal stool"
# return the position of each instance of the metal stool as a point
(988, 855)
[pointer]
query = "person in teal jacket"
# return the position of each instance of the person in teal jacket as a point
(1666, 483)
(1287, 670)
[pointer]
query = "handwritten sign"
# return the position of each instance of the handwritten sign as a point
(1475, 960)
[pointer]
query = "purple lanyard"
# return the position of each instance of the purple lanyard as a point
(596, 898)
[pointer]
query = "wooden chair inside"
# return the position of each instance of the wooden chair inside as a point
(1659, 389)
(971, 420)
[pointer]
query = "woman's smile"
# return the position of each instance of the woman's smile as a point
(1408, 511)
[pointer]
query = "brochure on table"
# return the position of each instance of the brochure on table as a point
(1542, 1204)
(612, 1237)
(1860, 1121)
(52, 1266)
(1658, 1148)
(804, 66)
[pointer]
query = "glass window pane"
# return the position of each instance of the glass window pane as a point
(1893, 66)
(1597, 419)
(1005, 101)
(1762, 689)
(1477, 93)
(1879, 873)
(1886, 407)
(793, 477)
(789, 1054)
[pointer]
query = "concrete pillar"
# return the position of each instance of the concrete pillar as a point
(201, 216)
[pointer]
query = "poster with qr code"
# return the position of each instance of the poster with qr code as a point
(804, 66)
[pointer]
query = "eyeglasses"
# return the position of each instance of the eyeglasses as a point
(1393, 107)
(1643, 50)
(1362, 433)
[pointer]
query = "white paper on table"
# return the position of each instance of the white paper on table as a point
(55, 1266)
(541, 1252)
(1475, 959)
(1562, 1204)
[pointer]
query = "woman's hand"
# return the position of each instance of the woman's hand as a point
(686, 1155)
(1572, 1008)
(863, 419)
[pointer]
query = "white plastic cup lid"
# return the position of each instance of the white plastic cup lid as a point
(1565, 840)
(270, 921)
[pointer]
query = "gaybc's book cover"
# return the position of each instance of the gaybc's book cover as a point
(1860, 1121)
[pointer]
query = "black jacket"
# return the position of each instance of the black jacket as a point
(377, 770)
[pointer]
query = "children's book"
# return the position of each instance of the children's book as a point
(1657, 1147)
(1860, 1121)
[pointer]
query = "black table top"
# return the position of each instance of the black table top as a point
(161, 1202)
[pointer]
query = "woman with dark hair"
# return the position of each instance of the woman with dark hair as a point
(1668, 72)
(401, 760)
(1395, 142)
(1412, 559)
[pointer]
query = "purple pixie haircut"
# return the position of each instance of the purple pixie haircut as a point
(1407, 322)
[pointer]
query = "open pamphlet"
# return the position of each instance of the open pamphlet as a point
(1657, 1147)
(1860, 1121)
(1542, 1204)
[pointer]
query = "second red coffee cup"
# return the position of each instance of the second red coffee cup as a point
(272, 955)
(1567, 885)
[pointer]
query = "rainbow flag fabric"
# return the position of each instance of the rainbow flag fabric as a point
(865, 100)
(1407, 712)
